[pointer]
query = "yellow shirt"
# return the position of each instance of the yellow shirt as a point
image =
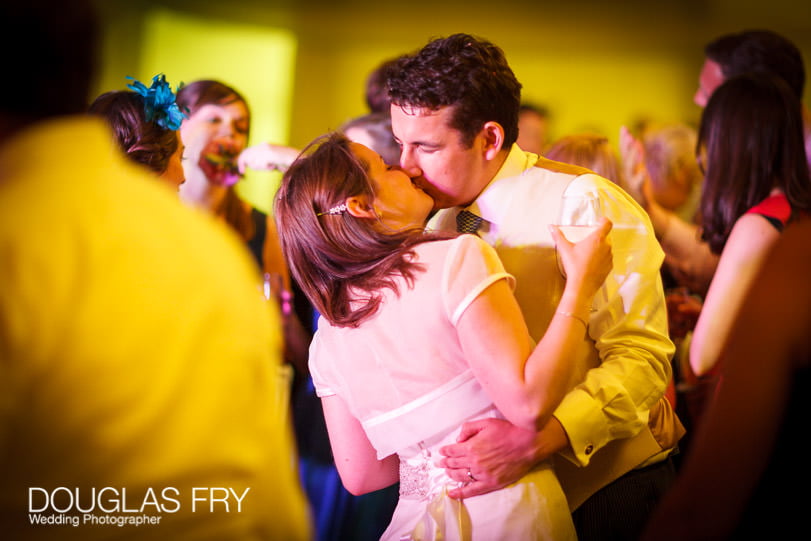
(138, 360)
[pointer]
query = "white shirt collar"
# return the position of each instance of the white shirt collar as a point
(488, 204)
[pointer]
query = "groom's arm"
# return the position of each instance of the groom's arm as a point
(498, 454)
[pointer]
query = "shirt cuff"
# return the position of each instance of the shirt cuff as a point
(584, 425)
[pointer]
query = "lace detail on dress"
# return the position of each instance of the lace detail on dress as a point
(444, 517)
(414, 479)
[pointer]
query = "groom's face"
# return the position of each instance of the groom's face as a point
(434, 154)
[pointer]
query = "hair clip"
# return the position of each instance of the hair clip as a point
(159, 102)
(338, 209)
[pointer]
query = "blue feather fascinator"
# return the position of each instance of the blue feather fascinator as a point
(159, 102)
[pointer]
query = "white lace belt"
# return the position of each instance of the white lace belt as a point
(414, 480)
(444, 517)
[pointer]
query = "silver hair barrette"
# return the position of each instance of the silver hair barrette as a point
(338, 209)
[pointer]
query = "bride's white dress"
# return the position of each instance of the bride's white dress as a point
(404, 376)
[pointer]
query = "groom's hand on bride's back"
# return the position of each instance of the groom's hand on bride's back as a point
(497, 454)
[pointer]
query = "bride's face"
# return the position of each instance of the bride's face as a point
(399, 203)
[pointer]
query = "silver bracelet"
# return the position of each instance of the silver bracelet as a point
(578, 318)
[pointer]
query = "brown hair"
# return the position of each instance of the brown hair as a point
(376, 93)
(341, 262)
(762, 51)
(468, 74)
(752, 130)
(143, 141)
(205, 92)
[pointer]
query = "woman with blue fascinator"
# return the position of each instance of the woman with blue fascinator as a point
(217, 155)
(146, 123)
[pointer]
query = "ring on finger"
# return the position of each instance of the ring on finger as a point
(470, 475)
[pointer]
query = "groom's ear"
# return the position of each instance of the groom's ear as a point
(493, 139)
(360, 207)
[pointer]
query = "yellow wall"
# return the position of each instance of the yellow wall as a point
(188, 48)
(596, 64)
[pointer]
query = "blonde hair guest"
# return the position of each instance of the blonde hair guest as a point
(590, 150)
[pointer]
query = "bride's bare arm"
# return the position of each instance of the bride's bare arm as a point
(525, 384)
(355, 458)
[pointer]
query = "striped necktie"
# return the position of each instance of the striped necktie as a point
(467, 222)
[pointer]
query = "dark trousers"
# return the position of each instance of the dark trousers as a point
(619, 511)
